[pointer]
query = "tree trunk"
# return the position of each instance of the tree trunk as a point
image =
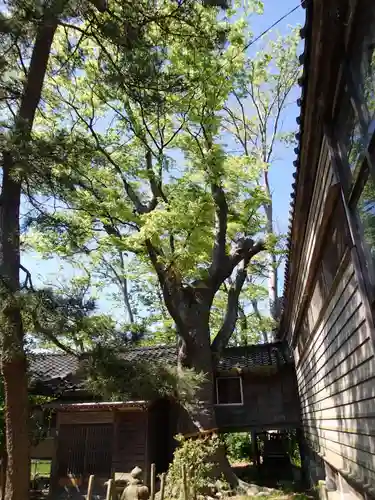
(196, 353)
(16, 418)
(273, 294)
(13, 359)
(3, 472)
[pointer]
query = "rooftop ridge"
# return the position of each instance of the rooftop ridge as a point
(158, 346)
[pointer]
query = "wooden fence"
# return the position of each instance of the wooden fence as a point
(112, 494)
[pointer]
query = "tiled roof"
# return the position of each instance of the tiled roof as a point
(164, 353)
(252, 356)
(60, 368)
(49, 366)
(305, 34)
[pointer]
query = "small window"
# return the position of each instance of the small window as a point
(229, 391)
(318, 298)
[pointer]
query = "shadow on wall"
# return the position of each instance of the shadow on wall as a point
(337, 386)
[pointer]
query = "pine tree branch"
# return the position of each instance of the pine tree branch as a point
(49, 334)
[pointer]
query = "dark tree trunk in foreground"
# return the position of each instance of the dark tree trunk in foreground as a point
(3, 472)
(13, 358)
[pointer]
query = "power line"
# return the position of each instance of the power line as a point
(273, 25)
(248, 45)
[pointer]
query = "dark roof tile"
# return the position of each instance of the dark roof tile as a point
(252, 356)
(60, 368)
(49, 366)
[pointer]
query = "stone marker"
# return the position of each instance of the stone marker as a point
(136, 490)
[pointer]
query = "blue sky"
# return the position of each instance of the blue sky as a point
(280, 173)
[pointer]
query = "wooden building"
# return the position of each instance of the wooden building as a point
(328, 317)
(255, 388)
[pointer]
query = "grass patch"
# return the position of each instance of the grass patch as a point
(40, 468)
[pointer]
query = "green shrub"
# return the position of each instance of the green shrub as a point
(196, 455)
(238, 446)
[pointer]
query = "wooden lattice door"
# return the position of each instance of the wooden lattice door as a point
(85, 449)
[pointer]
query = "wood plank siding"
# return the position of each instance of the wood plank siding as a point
(100, 443)
(269, 402)
(328, 316)
(336, 379)
(325, 179)
(131, 441)
(332, 338)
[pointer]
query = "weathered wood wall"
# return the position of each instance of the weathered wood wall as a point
(44, 450)
(270, 402)
(100, 443)
(331, 332)
(131, 441)
(337, 384)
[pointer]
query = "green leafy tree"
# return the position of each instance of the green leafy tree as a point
(140, 165)
(27, 32)
(238, 446)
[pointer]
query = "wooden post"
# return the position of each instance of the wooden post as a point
(191, 484)
(255, 447)
(90, 487)
(184, 483)
(110, 488)
(162, 486)
(152, 480)
(302, 452)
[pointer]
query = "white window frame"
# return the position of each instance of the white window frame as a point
(217, 391)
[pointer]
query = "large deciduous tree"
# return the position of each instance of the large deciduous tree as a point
(141, 165)
(27, 31)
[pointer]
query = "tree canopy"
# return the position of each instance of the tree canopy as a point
(136, 143)
(155, 158)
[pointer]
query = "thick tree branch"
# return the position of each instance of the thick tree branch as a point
(221, 215)
(155, 184)
(101, 5)
(122, 282)
(28, 283)
(245, 249)
(170, 285)
(222, 338)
